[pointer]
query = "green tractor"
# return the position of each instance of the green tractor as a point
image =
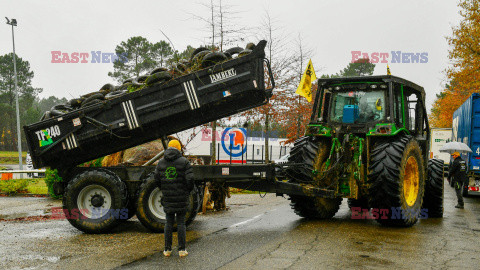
(368, 141)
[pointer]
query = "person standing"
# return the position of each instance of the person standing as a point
(458, 172)
(174, 176)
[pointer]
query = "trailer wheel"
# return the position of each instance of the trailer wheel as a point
(150, 211)
(94, 201)
(312, 153)
(433, 199)
(397, 181)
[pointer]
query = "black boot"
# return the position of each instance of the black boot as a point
(459, 206)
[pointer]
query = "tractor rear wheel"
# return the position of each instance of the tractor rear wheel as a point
(312, 153)
(433, 199)
(396, 181)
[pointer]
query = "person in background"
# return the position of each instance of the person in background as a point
(458, 172)
(174, 177)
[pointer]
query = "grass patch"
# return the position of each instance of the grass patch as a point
(29, 186)
(11, 154)
(11, 157)
(37, 186)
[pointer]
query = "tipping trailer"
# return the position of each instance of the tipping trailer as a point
(466, 129)
(96, 199)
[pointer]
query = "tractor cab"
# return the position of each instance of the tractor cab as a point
(370, 105)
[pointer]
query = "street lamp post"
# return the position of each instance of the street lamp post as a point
(13, 23)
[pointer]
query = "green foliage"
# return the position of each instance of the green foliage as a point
(361, 67)
(138, 56)
(24, 79)
(183, 55)
(51, 177)
(45, 104)
(27, 99)
(13, 186)
(93, 163)
(37, 186)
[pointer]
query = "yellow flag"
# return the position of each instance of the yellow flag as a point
(305, 87)
(388, 70)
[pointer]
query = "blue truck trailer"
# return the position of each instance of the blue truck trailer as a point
(466, 129)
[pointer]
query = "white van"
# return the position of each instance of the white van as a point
(439, 137)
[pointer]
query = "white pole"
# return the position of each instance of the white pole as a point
(19, 136)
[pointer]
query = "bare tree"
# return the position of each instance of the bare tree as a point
(224, 29)
(281, 60)
(302, 55)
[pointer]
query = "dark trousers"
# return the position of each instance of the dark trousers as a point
(458, 190)
(181, 230)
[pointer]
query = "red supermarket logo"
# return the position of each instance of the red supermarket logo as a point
(251, 135)
(233, 141)
(392, 213)
(93, 57)
(392, 57)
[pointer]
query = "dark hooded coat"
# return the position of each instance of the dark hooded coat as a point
(174, 176)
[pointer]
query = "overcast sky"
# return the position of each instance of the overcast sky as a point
(332, 29)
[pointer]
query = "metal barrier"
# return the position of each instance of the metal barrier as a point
(8, 174)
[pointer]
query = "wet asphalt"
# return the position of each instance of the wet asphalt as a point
(255, 234)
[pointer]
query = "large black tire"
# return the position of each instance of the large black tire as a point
(95, 201)
(362, 203)
(213, 58)
(433, 199)
(157, 77)
(234, 50)
(397, 181)
(150, 211)
(312, 153)
(198, 50)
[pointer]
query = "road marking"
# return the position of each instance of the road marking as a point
(246, 221)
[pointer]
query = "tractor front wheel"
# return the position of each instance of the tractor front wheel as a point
(397, 181)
